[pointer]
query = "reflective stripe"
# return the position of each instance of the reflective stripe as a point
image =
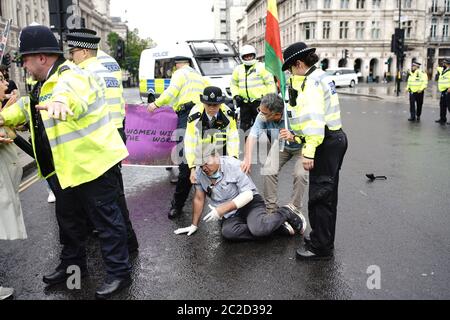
(116, 115)
(80, 133)
(113, 101)
(23, 107)
(314, 131)
(307, 117)
(334, 123)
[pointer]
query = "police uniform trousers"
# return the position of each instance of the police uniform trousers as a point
(323, 191)
(416, 99)
(252, 221)
(184, 184)
(248, 114)
(98, 200)
(444, 105)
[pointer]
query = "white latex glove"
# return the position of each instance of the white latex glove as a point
(213, 215)
(189, 230)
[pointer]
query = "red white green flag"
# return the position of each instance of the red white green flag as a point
(274, 55)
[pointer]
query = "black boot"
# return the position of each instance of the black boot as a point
(112, 286)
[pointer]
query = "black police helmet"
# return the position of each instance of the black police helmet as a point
(295, 52)
(212, 95)
(38, 39)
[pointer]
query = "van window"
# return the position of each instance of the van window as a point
(164, 68)
(217, 66)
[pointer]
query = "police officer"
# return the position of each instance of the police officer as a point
(183, 94)
(316, 122)
(249, 83)
(417, 83)
(77, 149)
(210, 124)
(444, 88)
(83, 47)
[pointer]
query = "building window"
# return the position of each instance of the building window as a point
(359, 30)
(308, 4)
(407, 4)
(309, 30)
(445, 28)
(327, 4)
(376, 30)
(360, 4)
(447, 6)
(343, 30)
(344, 4)
(326, 30)
(407, 25)
(376, 4)
(433, 28)
(434, 5)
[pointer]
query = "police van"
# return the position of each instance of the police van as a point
(213, 59)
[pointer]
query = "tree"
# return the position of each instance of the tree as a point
(134, 46)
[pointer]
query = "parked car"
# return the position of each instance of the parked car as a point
(343, 77)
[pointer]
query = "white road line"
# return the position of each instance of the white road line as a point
(26, 184)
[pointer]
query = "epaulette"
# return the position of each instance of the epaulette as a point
(63, 69)
(194, 117)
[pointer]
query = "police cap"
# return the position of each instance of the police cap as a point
(83, 38)
(212, 95)
(294, 52)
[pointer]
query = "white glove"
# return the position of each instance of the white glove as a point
(213, 215)
(189, 230)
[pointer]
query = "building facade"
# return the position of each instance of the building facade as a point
(226, 15)
(95, 13)
(357, 33)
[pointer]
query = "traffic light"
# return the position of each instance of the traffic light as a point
(346, 54)
(120, 50)
(398, 42)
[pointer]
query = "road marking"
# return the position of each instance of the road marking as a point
(26, 184)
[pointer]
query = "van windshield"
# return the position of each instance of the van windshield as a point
(330, 72)
(217, 65)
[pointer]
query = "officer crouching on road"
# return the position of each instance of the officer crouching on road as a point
(183, 94)
(444, 88)
(249, 83)
(77, 149)
(83, 47)
(417, 83)
(316, 122)
(211, 124)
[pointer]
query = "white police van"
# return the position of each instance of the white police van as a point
(213, 59)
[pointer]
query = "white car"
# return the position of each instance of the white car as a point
(342, 77)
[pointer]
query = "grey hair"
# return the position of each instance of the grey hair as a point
(273, 102)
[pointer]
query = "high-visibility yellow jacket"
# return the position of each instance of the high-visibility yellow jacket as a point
(113, 89)
(417, 81)
(186, 85)
(111, 64)
(87, 144)
(317, 107)
(444, 80)
(252, 84)
(196, 139)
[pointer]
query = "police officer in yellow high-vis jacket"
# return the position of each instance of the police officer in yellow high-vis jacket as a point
(77, 149)
(444, 88)
(211, 126)
(183, 94)
(417, 83)
(249, 83)
(83, 46)
(316, 121)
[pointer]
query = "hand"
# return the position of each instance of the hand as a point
(286, 135)
(213, 215)
(189, 230)
(246, 165)
(193, 176)
(152, 107)
(13, 97)
(57, 110)
(308, 164)
(4, 139)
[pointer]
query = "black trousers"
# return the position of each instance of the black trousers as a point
(323, 191)
(444, 105)
(416, 99)
(248, 114)
(97, 201)
(184, 184)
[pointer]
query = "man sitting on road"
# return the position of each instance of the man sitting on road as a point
(236, 201)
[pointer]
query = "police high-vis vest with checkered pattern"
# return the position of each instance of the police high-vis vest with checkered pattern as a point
(417, 81)
(317, 107)
(444, 80)
(113, 89)
(196, 141)
(186, 86)
(111, 64)
(87, 144)
(252, 84)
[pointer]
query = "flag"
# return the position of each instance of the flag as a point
(274, 55)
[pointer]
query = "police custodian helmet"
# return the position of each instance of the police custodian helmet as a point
(38, 39)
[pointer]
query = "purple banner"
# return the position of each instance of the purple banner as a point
(149, 135)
